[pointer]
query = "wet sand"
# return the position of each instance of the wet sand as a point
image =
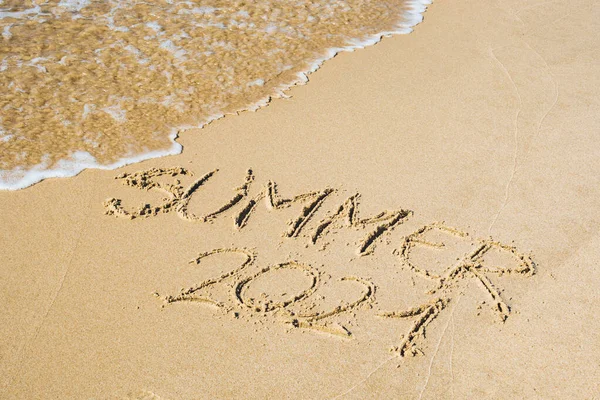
(420, 221)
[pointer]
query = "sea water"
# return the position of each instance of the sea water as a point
(100, 84)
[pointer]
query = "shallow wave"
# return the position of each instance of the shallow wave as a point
(95, 84)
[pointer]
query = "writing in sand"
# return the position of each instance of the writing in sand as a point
(298, 305)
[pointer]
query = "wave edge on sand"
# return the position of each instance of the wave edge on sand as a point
(78, 161)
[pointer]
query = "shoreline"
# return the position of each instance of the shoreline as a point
(79, 161)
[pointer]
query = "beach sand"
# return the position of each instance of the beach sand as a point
(481, 123)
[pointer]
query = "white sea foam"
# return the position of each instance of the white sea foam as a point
(116, 112)
(257, 82)
(80, 160)
(3, 136)
(6, 33)
(74, 5)
(21, 14)
(19, 179)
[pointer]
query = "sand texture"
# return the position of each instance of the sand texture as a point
(420, 221)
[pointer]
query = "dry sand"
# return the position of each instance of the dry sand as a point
(485, 118)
